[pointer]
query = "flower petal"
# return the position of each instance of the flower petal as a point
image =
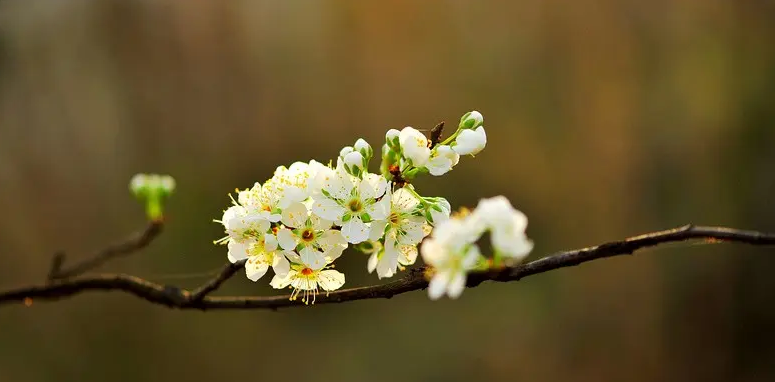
(355, 230)
(280, 265)
(456, 285)
(438, 285)
(295, 215)
(328, 209)
(255, 269)
(238, 251)
(282, 282)
(286, 238)
(330, 279)
(372, 264)
(372, 186)
(312, 258)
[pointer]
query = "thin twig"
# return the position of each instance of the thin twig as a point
(132, 244)
(226, 273)
(414, 279)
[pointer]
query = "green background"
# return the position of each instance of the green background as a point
(606, 118)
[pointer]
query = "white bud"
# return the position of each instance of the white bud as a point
(361, 144)
(472, 120)
(470, 142)
(354, 159)
(346, 150)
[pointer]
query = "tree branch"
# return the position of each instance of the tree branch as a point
(133, 243)
(414, 279)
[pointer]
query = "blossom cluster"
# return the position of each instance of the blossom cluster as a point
(452, 249)
(300, 221)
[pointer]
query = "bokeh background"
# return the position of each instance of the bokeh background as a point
(606, 118)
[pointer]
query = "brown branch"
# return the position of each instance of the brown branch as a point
(132, 244)
(414, 279)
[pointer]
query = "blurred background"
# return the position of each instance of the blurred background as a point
(606, 119)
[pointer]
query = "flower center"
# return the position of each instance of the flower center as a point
(308, 234)
(306, 271)
(393, 218)
(355, 205)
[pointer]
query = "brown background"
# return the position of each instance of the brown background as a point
(606, 118)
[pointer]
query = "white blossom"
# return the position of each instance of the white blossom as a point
(311, 236)
(403, 230)
(352, 203)
(306, 280)
(470, 142)
(452, 253)
(507, 225)
(261, 253)
(414, 146)
(442, 159)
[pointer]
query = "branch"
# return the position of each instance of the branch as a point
(133, 243)
(414, 279)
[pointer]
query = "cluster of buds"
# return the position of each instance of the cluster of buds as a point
(300, 221)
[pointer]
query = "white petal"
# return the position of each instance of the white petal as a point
(295, 215)
(372, 264)
(270, 242)
(433, 252)
(292, 194)
(372, 186)
(293, 257)
(407, 254)
(255, 269)
(403, 201)
(470, 141)
(456, 285)
(328, 209)
(379, 210)
(387, 264)
(339, 184)
(437, 286)
(355, 230)
(319, 224)
(514, 244)
(286, 238)
(238, 251)
(312, 258)
(377, 230)
(282, 282)
(413, 230)
(280, 265)
(414, 146)
(330, 279)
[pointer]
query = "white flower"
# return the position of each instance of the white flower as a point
(311, 236)
(386, 260)
(470, 141)
(403, 229)
(507, 225)
(261, 253)
(414, 146)
(352, 202)
(240, 224)
(452, 253)
(442, 159)
(472, 120)
(305, 279)
(259, 201)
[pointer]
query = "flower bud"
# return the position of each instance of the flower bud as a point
(471, 120)
(364, 148)
(391, 137)
(354, 160)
